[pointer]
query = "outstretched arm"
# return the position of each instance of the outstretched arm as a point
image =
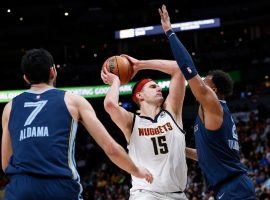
(121, 117)
(204, 94)
(6, 140)
(113, 150)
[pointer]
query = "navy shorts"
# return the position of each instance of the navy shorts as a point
(239, 188)
(25, 187)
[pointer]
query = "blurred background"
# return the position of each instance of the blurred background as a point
(81, 35)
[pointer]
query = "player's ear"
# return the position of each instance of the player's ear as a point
(26, 79)
(138, 95)
(52, 72)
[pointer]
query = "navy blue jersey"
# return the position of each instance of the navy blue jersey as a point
(218, 151)
(43, 135)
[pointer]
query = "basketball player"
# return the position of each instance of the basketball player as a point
(39, 130)
(156, 139)
(215, 132)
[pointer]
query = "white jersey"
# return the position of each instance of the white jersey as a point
(159, 145)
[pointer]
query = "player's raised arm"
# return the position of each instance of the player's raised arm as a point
(166, 66)
(119, 115)
(175, 98)
(207, 97)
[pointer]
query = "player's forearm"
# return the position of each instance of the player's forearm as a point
(165, 66)
(186, 65)
(112, 96)
(181, 56)
(119, 157)
(113, 150)
(191, 153)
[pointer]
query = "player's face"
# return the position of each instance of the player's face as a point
(152, 92)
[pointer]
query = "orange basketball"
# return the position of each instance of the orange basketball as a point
(120, 66)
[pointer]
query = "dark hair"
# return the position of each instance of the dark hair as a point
(36, 64)
(222, 81)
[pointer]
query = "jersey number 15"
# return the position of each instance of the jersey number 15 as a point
(160, 145)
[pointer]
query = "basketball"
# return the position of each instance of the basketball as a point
(120, 66)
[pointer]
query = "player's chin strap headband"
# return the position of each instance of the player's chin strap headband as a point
(138, 87)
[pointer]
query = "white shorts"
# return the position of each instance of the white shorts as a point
(150, 195)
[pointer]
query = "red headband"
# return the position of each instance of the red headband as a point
(139, 87)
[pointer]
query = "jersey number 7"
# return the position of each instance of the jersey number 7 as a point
(39, 105)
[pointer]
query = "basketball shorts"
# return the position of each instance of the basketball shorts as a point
(149, 195)
(25, 187)
(239, 188)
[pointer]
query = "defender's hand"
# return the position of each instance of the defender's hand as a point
(164, 18)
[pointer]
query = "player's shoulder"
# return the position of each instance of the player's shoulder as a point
(72, 95)
(74, 98)
(8, 105)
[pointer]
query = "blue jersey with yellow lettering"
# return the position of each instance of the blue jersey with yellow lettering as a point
(218, 151)
(43, 134)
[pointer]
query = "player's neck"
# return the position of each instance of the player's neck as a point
(40, 87)
(150, 110)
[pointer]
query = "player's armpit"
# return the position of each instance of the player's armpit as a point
(191, 153)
